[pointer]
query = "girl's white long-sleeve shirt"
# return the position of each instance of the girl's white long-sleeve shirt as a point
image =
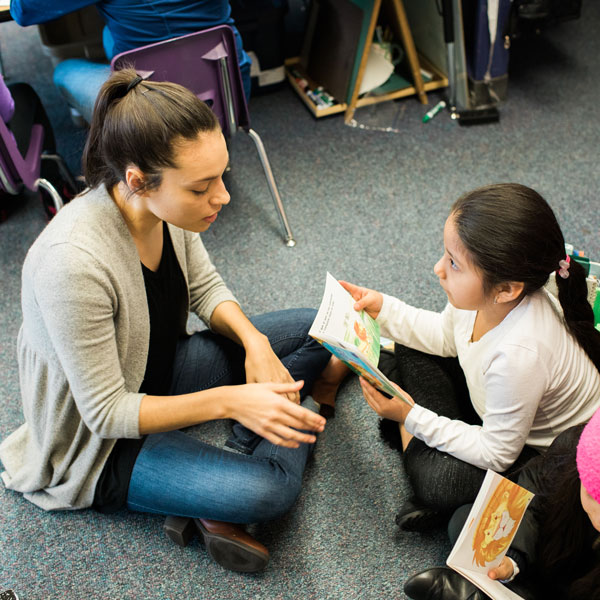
(528, 378)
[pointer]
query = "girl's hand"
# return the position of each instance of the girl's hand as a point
(389, 408)
(503, 571)
(368, 300)
(263, 366)
(265, 409)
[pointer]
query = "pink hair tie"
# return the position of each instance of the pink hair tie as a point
(564, 267)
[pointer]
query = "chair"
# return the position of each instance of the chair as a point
(206, 63)
(18, 172)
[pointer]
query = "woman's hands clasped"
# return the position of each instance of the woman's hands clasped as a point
(263, 366)
(265, 409)
(269, 402)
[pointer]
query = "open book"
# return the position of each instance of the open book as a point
(351, 336)
(488, 533)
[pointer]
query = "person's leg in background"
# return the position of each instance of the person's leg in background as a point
(79, 81)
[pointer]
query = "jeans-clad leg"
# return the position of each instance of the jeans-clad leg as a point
(79, 81)
(176, 474)
(207, 360)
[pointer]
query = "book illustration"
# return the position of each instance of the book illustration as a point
(353, 336)
(488, 532)
(504, 510)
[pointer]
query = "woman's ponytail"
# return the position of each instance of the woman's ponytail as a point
(95, 169)
(139, 122)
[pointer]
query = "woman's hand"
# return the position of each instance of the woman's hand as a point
(265, 409)
(368, 300)
(389, 408)
(503, 571)
(263, 366)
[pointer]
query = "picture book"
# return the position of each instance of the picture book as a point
(353, 336)
(488, 532)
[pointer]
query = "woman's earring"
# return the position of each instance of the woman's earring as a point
(496, 300)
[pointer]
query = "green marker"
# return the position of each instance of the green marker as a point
(434, 111)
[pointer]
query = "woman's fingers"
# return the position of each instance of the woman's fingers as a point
(291, 435)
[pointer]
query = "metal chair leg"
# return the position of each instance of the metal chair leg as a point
(62, 167)
(289, 238)
(44, 183)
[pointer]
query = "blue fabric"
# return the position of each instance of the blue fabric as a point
(79, 81)
(129, 24)
(176, 474)
(132, 23)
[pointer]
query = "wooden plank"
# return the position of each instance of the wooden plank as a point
(404, 92)
(409, 48)
(363, 62)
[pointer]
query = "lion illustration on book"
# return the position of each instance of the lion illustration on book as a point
(503, 512)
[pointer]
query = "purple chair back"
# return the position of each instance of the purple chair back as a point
(17, 171)
(205, 62)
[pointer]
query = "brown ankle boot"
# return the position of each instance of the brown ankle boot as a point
(232, 547)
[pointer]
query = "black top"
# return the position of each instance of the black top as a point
(168, 306)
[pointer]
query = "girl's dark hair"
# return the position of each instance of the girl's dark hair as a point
(511, 234)
(564, 547)
(140, 122)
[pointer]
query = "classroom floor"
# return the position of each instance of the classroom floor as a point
(368, 206)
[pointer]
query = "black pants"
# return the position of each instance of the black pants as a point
(439, 480)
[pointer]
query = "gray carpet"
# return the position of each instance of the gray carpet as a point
(369, 207)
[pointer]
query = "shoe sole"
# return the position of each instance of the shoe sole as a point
(231, 554)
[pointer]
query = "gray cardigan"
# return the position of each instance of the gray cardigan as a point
(83, 347)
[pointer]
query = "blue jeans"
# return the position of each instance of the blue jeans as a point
(176, 474)
(79, 80)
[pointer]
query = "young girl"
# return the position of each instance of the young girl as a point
(109, 375)
(530, 362)
(556, 551)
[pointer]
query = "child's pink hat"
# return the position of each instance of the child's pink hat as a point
(588, 457)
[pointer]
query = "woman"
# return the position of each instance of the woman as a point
(108, 374)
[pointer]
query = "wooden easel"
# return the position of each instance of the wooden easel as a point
(395, 16)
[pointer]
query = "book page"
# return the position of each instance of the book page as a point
(351, 336)
(494, 589)
(338, 322)
(489, 530)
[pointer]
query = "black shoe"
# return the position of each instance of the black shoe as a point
(441, 583)
(414, 517)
